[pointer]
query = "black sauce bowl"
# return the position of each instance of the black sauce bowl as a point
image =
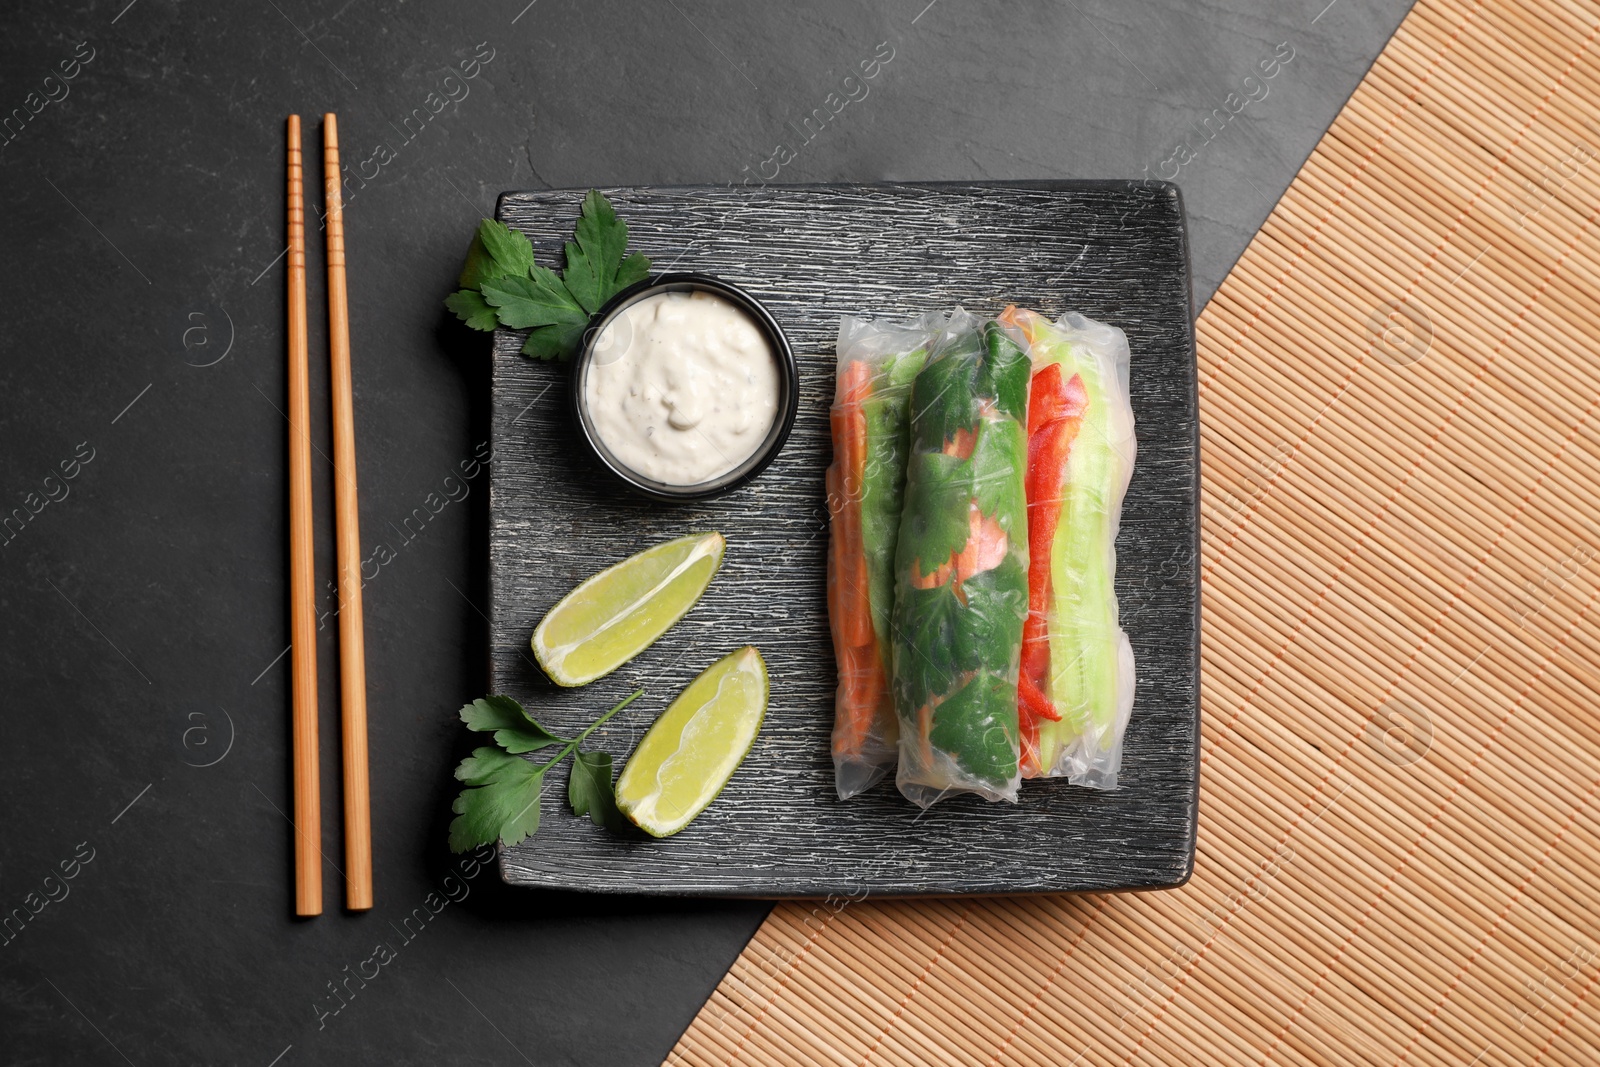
(788, 388)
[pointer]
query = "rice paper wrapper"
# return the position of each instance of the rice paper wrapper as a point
(1090, 677)
(877, 362)
(961, 585)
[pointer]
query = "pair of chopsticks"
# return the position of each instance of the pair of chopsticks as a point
(302, 580)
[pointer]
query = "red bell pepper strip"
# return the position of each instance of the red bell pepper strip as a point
(1055, 414)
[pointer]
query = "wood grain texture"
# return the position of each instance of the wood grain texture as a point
(302, 555)
(1114, 251)
(347, 545)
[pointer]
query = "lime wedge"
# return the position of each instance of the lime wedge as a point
(619, 612)
(689, 754)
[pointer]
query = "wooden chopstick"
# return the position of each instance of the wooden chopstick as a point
(352, 644)
(302, 566)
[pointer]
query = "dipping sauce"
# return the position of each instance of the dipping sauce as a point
(682, 387)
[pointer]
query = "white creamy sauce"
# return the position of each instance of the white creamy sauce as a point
(682, 388)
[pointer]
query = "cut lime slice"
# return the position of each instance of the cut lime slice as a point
(693, 749)
(619, 612)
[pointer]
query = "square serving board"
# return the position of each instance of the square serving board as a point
(1115, 251)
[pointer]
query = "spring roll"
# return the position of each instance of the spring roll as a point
(961, 592)
(865, 484)
(1076, 683)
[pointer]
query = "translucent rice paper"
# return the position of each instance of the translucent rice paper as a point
(865, 485)
(1088, 672)
(961, 571)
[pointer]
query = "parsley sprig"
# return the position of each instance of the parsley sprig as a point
(501, 802)
(502, 285)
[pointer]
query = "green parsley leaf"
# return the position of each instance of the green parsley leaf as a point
(977, 725)
(632, 270)
(596, 267)
(501, 284)
(945, 394)
(513, 728)
(996, 607)
(538, 299)
(502, 806)
(582, 278)
(479, 267)
(1000, 451)
(590, 790)
(553, 342)
(940, 636)
(470, 307)
(603, 238)
(926, 621)
(497, 251)
(502, 801)
(936, 523)
(1008, 370)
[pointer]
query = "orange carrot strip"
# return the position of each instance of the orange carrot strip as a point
(861, 673)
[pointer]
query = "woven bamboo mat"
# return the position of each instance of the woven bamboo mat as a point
(1399, 855)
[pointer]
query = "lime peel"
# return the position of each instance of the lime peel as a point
(691, 751)
(609, 619)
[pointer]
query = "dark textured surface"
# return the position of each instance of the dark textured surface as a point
(1114, 251)
(152, 194)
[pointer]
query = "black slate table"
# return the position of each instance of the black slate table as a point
(143, 747)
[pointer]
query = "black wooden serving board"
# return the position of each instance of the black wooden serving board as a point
(1116, 251)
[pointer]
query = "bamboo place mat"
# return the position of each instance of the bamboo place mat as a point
(1398, 855)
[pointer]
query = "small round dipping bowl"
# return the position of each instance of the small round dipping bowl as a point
(788, 388)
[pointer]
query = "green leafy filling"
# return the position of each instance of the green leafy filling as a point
(945, 634)
(936, 523)
(956, 644)
(1007, 372)
(999, 454)
(883, 484)
(944, 398)
(926, 623)
(977, 726)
